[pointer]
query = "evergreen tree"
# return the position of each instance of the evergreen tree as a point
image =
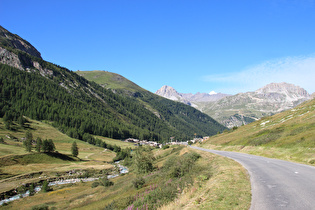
(75, 149)
(45, 187)
(39, 144)
(28, 141)
(45, 146)
(32, 189)
(7, 119)
(51, 145)
(21, 121)
(48, 146)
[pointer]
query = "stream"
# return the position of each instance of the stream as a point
(122, 170)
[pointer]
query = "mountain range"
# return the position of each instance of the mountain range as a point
(242, 108)
(118, 108)
(188, 98)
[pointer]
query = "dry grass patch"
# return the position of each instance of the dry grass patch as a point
(228, 187)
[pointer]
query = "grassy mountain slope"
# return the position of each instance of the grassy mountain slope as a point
(207, 184)
(244, 108)
(19, 166)
(110, 80)
(288, 135)
(189, 116)
(41, 90)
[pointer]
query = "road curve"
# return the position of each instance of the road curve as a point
(276, 184)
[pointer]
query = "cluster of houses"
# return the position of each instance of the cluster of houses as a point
(173, 142)
(144, 142)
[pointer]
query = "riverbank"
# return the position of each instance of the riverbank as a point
(13, 194)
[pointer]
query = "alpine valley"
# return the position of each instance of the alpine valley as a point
(41, 90)
(46, 110)
(242, 108)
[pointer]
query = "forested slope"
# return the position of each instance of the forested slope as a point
(41, 90)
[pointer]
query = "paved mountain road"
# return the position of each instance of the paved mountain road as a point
(276, 184)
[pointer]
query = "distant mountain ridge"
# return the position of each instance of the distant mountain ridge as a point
(243, 108)
(188, 98)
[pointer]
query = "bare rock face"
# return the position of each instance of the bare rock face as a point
(9, 58)
(13, 41)
(170, 93)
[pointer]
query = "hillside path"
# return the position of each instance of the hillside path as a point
(276, 184)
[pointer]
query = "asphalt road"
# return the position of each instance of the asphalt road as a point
(276, 184)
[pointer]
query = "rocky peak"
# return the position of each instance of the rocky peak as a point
(168, 92)
(283, 88)
(13, 41)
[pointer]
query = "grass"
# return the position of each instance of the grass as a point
(289, 135)
(212, 182)
(110, 80)
(16, 164)
(227, 188)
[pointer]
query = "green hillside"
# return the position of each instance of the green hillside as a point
(288, 135)
(110, 80)
(41, 90)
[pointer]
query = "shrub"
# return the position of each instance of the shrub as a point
(45, 187)
(165, 146)
(40, 207)
(138, 182)
(95, 184)
(178, 167)
(143, 160)
(106, 182)
(312, 161)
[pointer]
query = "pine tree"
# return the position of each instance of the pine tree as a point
(28, 141)
(21, 121)
(75, 149)
(39, 144)
(51, 146)
(48, 146)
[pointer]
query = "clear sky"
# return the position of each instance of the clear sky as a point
(227, 46)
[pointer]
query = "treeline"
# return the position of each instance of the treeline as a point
(121, 154)
(77, 106)
(76, 111)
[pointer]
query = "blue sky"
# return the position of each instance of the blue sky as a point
(192, 45)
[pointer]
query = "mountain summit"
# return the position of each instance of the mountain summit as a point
(292, 92)
(169, 92)
(189, 98)
(244, 108)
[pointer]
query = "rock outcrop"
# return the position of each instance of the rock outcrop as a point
(13, 41)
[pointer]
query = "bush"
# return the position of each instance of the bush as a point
(45, 187)
(138, 182)
(106, 182)
(40, 207)
(95, 184)
(165, 146)
(143, 160)
(178, 167)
